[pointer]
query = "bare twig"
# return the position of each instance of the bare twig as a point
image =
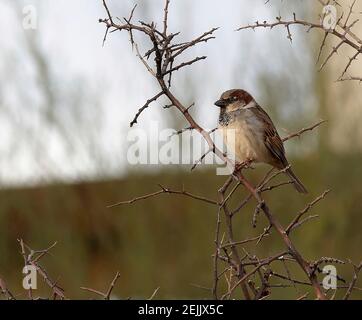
(5, 291)
(305, 210)
(29, 260)
(357, 269)
(303, 130)
(107, 295)
(145, 106)
(164, 190)
(342, 31)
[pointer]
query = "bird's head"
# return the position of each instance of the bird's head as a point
(234, 99)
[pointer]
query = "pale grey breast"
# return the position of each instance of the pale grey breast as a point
(243, 135)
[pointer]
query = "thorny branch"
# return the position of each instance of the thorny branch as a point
(5, 291)
(107, 295)
(31, 258)
(342, 32)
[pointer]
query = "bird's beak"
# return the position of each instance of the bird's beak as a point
(221, 103)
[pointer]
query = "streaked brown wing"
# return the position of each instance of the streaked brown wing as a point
(272, 139)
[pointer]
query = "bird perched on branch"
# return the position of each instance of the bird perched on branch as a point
(255, 138)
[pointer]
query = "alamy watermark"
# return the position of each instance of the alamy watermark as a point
(153, 146)
(329, 17)
(30, 281)
(30, 17)
(330, 280)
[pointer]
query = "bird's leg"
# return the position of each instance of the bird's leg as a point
(243, 165)
(247, 163)
(237, 167)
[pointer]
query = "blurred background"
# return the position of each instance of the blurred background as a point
(65, 107)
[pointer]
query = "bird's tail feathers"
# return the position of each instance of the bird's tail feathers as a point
(296, 182)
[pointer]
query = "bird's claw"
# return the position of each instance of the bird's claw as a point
(243, 165)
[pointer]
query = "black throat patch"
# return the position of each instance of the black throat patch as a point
(224, 117)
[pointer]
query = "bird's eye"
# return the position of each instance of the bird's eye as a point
(234, 98)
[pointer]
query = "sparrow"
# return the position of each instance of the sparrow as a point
(254, 138)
